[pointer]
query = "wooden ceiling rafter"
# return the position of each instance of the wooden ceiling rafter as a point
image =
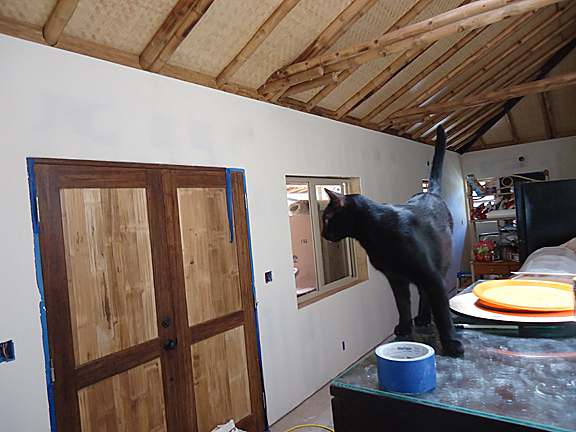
(418, 35)
(523, 71)
(427, 127)
(256, 41)
(176, 27)
(516, 67)
(389, 38)
(58, 19)
(545, 108)
(466, 65)
(329, 36)
(512, 127)
(552, 62)
(394, 68)
(324, 80)
(422, 75)
(402, 22)
(546, 84)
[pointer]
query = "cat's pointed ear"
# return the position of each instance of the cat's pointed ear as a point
(336, 199)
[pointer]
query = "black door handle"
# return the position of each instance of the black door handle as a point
(171, 345)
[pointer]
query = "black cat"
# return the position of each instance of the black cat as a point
(409, 243)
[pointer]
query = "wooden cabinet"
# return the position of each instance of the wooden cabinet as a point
(502, 268)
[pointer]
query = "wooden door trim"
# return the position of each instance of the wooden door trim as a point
(118, 362)
(184, 356)
(135, 165)
(242, 239)
(58, 312)
(208, 329)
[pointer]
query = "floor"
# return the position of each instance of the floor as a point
(314, 410)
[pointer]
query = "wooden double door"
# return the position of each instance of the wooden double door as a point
(149, 305)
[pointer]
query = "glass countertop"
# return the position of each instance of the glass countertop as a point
(526, 377)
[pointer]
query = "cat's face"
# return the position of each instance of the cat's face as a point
(333, 218)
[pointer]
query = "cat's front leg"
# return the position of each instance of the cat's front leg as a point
(424, 317)
(401, 290)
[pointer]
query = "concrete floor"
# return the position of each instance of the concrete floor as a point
(314, 410)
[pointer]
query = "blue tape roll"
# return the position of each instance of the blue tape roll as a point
(406, 367)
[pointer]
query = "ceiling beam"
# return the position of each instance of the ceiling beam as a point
(460, 19)
(258, 39)
(308, 85)
(326, 39)
(546, 115)
(521, 70)
(58, 19)
(401, 23)
(481, 76)
(423, 74)
(393, 69)
(519, 90)
(467, 64)
(512, 127)
(550, 64)
(178, 24)
(348, 17)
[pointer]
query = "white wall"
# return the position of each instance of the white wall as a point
(557, 156)
(62, 105)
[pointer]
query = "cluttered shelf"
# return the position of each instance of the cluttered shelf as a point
(492, 209)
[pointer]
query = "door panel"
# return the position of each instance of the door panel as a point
(221, 379)
(129, 401)
(209, 259)
(109, 267)
(150, 308)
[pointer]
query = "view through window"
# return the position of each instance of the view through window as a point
(319, 265)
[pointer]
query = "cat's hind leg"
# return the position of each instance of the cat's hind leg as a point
(401, 290)
(440, 307)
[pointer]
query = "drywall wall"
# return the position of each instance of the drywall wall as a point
(557, 156)
(62, 105)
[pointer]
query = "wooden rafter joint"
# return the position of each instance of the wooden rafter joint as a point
(468, 17)
(312, 84)
(540, 86)
(179, 23)
(58, 19)
(291, 81)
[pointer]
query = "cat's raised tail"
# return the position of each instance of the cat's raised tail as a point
(435, 183)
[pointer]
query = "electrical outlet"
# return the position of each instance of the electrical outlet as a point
(6, 351)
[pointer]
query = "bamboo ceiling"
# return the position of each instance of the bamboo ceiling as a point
(493, 72)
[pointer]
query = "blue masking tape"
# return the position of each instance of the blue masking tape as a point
(229, 203)
(40, 283)
(406, 367)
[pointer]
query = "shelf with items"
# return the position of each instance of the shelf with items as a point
(492, 209)
(493, 216)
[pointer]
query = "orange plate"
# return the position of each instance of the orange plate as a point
(526, 295)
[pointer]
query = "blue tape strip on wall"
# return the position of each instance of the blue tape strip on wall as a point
(229, 172)
(40, 284)
(229, 203)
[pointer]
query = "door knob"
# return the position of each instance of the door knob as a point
(171, 345)
(166, 322)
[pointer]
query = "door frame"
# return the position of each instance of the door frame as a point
(51, 271)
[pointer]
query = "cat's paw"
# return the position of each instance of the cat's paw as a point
(453, 348)
(423, 320)
(403, 330)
